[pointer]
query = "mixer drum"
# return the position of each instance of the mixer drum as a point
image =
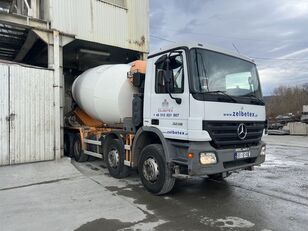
(105, 93)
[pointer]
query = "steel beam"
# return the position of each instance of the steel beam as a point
(55, 62)
(24, 21)
(26, 47)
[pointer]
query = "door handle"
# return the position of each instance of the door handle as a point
(155, 122)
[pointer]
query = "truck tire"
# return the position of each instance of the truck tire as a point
(155, 175)
(68, 144)
(115, 159)
(77, 152)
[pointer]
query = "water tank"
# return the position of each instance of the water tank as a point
(105, 93)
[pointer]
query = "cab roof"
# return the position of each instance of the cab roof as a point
(201, 46)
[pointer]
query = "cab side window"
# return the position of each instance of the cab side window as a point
(177, 81)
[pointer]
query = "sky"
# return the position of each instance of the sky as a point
(273, 33)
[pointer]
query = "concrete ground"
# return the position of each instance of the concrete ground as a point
(82, 196)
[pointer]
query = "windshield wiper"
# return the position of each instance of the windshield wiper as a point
(255, 97)
(223, 93)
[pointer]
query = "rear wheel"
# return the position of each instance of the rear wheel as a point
(155, 175)
(77, 152)
(66, 145)
(115, 159)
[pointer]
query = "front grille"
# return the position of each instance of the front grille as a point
(224, 133)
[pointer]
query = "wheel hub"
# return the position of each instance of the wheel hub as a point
(113, 158)
(150, 170)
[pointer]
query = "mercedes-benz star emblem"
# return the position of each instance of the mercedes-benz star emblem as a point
(242, 131)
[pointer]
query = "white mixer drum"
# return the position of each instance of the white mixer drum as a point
(105, 93)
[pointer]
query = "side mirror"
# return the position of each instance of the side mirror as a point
(162, 59)
(167, 74)
(168, 77)
(161, 75)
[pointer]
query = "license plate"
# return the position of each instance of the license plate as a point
(242, 154)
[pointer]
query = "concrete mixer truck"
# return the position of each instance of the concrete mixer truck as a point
(189, 110)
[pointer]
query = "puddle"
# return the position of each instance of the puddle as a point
(227, 222)
(107, 224)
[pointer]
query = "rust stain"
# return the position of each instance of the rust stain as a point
(141, 42)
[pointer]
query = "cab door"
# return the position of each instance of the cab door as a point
(166, 114)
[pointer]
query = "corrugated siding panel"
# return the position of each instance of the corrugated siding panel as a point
(31, 100)
(101, 22)
(138, 24)
(4, 112)
(110, 24)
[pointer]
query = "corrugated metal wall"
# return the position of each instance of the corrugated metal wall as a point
(31, 106)
(138, 23)
(32, 129)
(4, 113)
(98, 21)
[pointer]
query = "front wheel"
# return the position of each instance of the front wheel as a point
(155, 175)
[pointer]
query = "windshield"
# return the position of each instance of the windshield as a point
(213, 72)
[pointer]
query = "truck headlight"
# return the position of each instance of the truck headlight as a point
(263, 151)
(208, 158)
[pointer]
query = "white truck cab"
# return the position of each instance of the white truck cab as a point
(206, 105)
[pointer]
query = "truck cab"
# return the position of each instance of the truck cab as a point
(205, 107)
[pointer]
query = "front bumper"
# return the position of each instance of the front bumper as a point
(225, 159)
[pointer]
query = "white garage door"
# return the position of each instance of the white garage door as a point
(30, 115)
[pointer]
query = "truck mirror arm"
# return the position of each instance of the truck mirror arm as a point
(177, 100)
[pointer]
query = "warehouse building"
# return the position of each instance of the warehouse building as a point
(44, 45)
